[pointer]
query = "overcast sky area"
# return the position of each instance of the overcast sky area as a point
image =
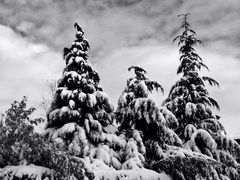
(121, 33)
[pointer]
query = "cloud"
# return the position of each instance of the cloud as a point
(113, 24)
(25, 68)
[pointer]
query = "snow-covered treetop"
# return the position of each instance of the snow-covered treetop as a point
(78, 92)
(190, 61)
(188, 98)
(138, 87)
(76, 58)
(140, 75)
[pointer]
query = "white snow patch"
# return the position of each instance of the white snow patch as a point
(32, 171)
(67, 128)
(142, 174)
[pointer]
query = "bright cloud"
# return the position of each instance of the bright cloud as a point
(25, 68)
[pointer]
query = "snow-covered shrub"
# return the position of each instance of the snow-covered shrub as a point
(21, 146)
(26, 172)
(195, 168)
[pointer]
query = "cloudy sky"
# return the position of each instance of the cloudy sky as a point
(121, 33)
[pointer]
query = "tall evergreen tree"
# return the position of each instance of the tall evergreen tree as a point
(80, 114)
(26, 154)
(189, 100)
(79, 99)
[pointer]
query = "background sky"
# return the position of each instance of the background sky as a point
(121, 33)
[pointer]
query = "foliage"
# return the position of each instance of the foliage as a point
(21, 145)
(190, 168)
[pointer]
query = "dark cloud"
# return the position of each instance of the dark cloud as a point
(120, 23)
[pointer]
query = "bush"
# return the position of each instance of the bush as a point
(21, 145)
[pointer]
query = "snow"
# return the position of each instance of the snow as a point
(66, 94)
(171, 120)
(205, 137)
(115, 163)
(189, 130)
(115, 140)
(131, 82)
(64, 113)
(101, 96)
(79, 144)
(172, 137)
(124, 97)
(147, 109)
(91, 100)
(190, 109)
(141, 174)
(59, 141)
(67, 128)
(102, 153)
(31, 171)
(142, 89)
(71, 74)
(95, 125)
(54, 115)
(131, 149)
(71, 60)
(98, 164)
(75, 113)
(183, 152)
(81, 97)
(133, 164)
(72, 104)
(110, 129)
(75, 50)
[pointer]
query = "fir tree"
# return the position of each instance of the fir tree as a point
(80, 113)
(189, 100)
(79, 99)
(137, 112)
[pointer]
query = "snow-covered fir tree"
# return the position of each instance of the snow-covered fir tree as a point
(138, 113)
(189, 100)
